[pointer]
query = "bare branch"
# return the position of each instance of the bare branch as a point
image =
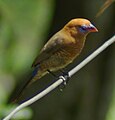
(61, 78)
(104, 7)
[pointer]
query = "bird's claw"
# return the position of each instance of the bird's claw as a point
(65, 79)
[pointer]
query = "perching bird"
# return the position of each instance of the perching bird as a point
(61, 49)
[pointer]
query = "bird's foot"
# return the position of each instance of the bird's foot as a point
(65, 79)
(66, 75)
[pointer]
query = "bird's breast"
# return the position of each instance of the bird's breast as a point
(71, 51)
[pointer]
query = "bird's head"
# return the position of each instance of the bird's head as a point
(82, 26)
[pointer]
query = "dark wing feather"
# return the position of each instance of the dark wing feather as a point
(53, 45)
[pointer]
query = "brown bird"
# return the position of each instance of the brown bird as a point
(61, 49)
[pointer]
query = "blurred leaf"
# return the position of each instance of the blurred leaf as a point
(24, 114)
(23, 29)
(24, 23)
(111, 112)
(6, 87)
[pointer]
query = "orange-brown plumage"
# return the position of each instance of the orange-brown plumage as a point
(62, 48)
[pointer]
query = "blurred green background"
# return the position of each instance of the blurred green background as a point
(25, 26)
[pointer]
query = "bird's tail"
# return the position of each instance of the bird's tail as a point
(21, 91)
(37, 74)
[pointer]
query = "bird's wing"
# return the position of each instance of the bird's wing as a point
(53, 45)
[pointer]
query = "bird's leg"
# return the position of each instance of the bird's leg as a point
(52, 73)
(62, 86)
(65, 74)
(65, 77)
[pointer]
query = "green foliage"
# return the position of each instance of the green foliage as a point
(23, 27)
(111, 112)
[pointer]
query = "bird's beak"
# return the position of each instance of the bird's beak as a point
(92, 28)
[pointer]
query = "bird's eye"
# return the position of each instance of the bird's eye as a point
(82, 29)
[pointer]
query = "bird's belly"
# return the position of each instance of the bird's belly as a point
(61, 58)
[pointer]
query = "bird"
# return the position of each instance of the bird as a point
(61, 49)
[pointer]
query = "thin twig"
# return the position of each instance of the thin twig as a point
(61, 79)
